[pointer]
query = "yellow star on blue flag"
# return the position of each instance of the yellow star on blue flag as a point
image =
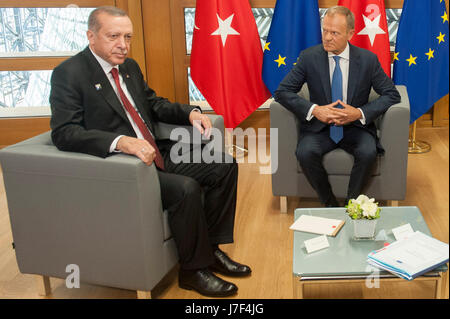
(280, 60)
(422, 53)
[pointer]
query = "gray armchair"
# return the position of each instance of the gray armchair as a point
(388, 181)
(103, 215)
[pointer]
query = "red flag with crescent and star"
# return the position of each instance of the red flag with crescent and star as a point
(226, 59)
(371, 31)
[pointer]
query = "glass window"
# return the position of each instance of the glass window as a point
(393, 17)
(42, 30)
(36, 32)
(24, 88)
(194, 93)
(189, 21)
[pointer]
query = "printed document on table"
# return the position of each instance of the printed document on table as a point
(411, 257)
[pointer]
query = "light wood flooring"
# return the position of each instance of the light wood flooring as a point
(263, 239)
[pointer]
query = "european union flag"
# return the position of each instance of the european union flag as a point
(421, 54)
(295, 27)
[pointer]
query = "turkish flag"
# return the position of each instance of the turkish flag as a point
(371, 31)
(226, 59)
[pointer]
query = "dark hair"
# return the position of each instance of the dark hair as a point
(94, 24)
(350, 17)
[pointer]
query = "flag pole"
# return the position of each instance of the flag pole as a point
(417, 147)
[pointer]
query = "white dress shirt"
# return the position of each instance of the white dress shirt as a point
(344, 63)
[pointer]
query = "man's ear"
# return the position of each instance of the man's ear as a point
(90, 35)
(350, 34)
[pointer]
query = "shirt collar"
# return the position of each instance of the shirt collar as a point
(344, 54)
(106, 66)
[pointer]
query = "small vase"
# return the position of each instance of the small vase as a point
(364, 229)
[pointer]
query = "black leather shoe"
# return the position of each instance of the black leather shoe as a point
(206, 283)
(225, 266)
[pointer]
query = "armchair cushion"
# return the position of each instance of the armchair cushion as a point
(339, 162)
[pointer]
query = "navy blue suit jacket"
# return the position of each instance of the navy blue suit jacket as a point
(312, 68)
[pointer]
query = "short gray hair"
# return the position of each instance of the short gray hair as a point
(94, 24)
(349, 16)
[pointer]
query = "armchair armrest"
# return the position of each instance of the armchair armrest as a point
(284, 180)
(394, 134)
(164, 130)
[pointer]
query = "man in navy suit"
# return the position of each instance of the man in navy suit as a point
(340, 77)
(101, 105)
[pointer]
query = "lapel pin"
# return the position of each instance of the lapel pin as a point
(127, 75)
(98, 87)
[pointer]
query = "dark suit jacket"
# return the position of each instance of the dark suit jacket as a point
(312, 68)
(86, 112)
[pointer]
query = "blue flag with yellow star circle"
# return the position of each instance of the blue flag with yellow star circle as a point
(421, 58)
(295, 26)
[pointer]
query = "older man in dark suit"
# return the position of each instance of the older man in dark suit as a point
(101, 105)
(339, 78)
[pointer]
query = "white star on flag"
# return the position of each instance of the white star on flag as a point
(225, 28)
(372, 28)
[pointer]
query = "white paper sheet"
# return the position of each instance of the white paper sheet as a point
(316, 225)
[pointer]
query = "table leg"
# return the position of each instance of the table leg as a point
(144, 294)
(393, 203)
(441, 285)
(283, 204)
(298, 287)
(437, 293)
(43, 285)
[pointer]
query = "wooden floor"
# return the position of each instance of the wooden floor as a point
(264, 241)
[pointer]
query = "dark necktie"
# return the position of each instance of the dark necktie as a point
(138, 120)
(336, 132)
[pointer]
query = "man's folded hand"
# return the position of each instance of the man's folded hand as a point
(138, 147)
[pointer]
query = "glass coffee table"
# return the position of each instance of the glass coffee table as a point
(345, 261)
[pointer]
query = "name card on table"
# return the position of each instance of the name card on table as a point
(402, 232)
(316, 244)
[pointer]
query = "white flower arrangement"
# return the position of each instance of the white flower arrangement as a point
(363, 208)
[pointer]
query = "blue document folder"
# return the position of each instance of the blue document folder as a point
(411, 257)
